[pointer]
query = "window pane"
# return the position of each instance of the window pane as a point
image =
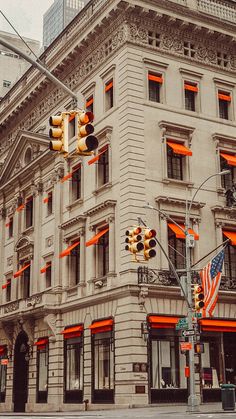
(104, 363)
(73, 365)
(189, 100)
(3, 377)
(223, 109)
(154, 91)
(42, 370)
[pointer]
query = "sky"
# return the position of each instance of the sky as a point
(25, 15)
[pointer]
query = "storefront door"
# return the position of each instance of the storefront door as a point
(20, 381)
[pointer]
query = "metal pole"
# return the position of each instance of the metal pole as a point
(41, 68)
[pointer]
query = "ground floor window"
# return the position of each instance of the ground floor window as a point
(3, 373)
(42, 370)
(73, 391)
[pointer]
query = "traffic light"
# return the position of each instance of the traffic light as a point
(59, 133)
(198, 295)
(149, 243)
(134, 240)
(85, 141)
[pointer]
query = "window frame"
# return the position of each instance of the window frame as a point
(109, 95)
(26, 282)
(42, 395)
(174, 159)
(50, 203)
(103, 166)
(74, 396)
(76, 183)
(29, 212)
(224, 106)
(75, 264)
(102, 254)
(176, 243)
(155, 86)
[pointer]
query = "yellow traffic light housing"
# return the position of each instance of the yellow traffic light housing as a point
(149, 243)
(198, 294)
(59, 133)
(134, 240)
(86, 143)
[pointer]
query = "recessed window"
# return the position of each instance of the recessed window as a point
(224, 100)
(109, 95)
(8, 290)
(176, 159)
(189, 49)
(26, 282)
(190, 92)
(154, 87)
(103, 166)
(223, 59)
(154, 39)
(29, 212)
(90, 104)
(176, 248)
(76, 182)
(10, 228)
(49, 203)
(103, 255)
(28, 156)
(230, 261)
(228, 162)
(48, 275)
(75, 265)
(42, 371)
(73, 372)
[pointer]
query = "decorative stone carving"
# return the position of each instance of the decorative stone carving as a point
(10, 261)
(8, 331)
(11, 307)
(50, 321)
(35, 299)
(49, 241)
(28, 326)
(25, 248)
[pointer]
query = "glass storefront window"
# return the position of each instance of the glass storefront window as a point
(103, 361)
(167, 363)
(42, 374)
(3, 379)
(211, 368)
(73, 370)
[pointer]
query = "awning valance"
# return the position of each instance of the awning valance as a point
(3, 349)
(41, 343)
(224, 96)
(67, 251)
(101, 326)
(20, 208)
(191, 87)
(89, 102)
(20, 272)
(218, 325)
(230, 235)
(157, 79)
(231, 160)
(96, 238)
(73, 332)
(96, 158)
(179, 148)
(162, 322)
(4, 286)
(44, 268)
(109, 86)
(179, 233)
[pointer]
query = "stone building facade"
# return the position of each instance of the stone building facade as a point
(80, 322)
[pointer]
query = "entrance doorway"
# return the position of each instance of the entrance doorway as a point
(20, 380)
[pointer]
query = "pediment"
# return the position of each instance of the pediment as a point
(23, 243)
(26, 149)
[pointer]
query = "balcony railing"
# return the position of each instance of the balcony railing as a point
(222, 9)
(166, 278)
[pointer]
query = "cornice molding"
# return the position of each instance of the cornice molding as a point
(100, 207)
(180, 202)
(76, 220)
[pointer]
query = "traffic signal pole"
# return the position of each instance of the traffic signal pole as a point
(42, 69)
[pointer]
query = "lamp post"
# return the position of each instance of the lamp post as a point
(193, 400)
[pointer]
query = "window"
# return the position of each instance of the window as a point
(29, 212)
(103, 166)
(176, 153)
(10, 228)
(26, 282)
(76, 182)
(90, 104)
(189, 49)
(190, 91)
(109, 95)
(176, 248)
(42, 371)
(102, 362)
(154, 39)
(3, 374)
(223, 59)
(227, 180)
(73, 356)
(154, 87)
(8, 290)
(230, 263)
(75, 264)
(48, 275)
(103, 255)
(224, 99)
(49, 203)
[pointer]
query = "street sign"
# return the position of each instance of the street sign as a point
(182, 324)
(197, 315)
(185, 346)
(189, 332)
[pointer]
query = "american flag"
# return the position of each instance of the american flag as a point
(211, 276)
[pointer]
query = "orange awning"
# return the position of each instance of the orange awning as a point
(108, 86)
(67, 251)
(101, 326)
(179, 233)
(19, 273)
(157, 79)
(231, 160)
(45, 201)
(230, 235)
(72, 332)
(66, 177)
(89, 102)
(20, 208)
(96, 238)
(191, 87)
(224, 96)
(218, 325)
(96, 158)
(4, 286)
(179, 148)
(163, 322)
(44, 268)
(3, 349)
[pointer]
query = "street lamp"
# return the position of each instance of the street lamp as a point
(193, 400)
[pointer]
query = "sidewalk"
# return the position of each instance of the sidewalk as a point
(131, 412)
